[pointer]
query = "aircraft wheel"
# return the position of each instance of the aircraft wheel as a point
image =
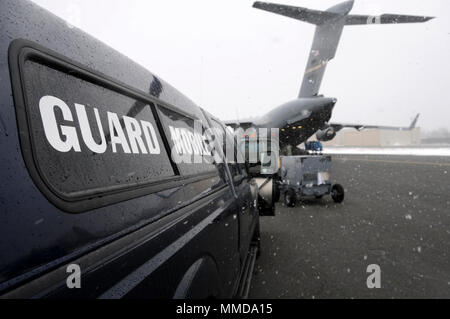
(338, 193)
(290, 198)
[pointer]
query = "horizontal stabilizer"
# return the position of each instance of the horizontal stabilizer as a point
(303, 14)
(385, 19)
(330, 25)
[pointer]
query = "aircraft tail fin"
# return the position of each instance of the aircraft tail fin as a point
(414, 123)
(324, 48)
(330, 25)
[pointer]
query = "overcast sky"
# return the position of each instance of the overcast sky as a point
(236, 61)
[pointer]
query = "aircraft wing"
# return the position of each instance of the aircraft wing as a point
(361, 127)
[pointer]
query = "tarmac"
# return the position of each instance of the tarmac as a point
(396, 215)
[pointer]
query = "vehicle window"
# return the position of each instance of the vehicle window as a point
(87, 139)
(188, 142)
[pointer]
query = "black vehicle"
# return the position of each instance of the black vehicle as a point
(89, 176)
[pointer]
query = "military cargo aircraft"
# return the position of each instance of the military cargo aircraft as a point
(310, 113)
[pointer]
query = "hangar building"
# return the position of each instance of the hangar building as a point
(376, 138)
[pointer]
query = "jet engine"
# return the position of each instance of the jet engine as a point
(326, 135)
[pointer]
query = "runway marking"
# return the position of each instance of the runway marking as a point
(394, 162)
